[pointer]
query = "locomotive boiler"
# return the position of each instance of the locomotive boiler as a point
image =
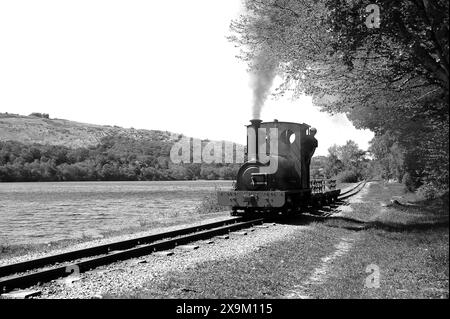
(276, 176)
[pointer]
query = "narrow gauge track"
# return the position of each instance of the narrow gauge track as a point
(347, 194)
(27, 273)
(110, 253)
(353, 191)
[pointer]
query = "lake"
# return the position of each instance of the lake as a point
(44, 212)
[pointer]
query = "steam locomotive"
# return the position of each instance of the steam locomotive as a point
(276, 176)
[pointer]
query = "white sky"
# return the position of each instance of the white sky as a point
(163, 65)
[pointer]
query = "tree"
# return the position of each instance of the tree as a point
(346, 158)
(350, 155)
(333, 165)
(389, 156)
(388, 79)
(41, 115)
(327, 51)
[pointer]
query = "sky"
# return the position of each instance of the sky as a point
(163, 65)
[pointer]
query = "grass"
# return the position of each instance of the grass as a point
(421, 214)
(412, 265)
(54, 131)
(408, 244)
(4, 246)
(210, 204)
(12, 250)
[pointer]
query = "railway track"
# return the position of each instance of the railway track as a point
(347, 194)
(353, 191)
(28, 273)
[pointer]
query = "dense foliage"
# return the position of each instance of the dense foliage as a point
(114, 159)
(393, 80)
(346, 163)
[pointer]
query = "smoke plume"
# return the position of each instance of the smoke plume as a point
(262, 75)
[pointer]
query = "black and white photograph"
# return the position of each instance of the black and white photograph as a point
(224, 157)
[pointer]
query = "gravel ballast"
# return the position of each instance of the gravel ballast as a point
(123, 278)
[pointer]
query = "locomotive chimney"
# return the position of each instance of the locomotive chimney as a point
(256, 123)
(253, 148)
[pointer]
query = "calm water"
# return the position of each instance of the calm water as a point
(43, 212)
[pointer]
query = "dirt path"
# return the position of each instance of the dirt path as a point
(328, 263)
(323, 271)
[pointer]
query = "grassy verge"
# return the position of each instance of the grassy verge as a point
(408, 244)
(209, 203)
(411, 265)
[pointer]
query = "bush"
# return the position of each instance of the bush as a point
(41, 115)
(427, 191)
(348, 177)
(209, 203)
(408, 182)
(4, 245)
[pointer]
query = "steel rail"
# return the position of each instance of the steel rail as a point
(354, 191)
(27, 280)
(105, 248)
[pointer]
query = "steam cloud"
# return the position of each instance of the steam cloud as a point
(262, 75)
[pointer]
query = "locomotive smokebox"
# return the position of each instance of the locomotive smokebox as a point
(252, 140)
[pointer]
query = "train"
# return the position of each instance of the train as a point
(275, 178)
